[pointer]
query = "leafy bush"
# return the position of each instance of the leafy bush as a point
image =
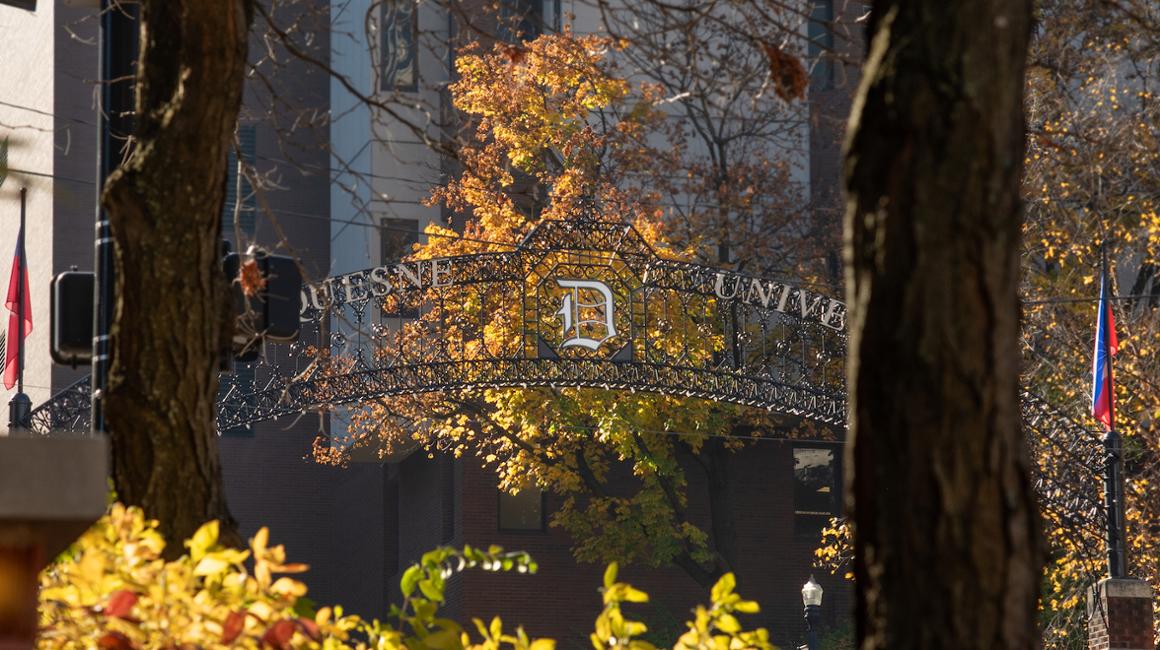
(113, 590)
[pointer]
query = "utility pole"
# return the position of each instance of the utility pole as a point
(118, 55)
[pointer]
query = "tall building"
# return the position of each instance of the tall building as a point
(343, 184)
(781, 492)
(332, 519)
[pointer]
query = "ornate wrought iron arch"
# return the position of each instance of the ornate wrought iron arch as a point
(578, 303)
(586, 304)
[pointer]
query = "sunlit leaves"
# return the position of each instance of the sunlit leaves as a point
(112, 590)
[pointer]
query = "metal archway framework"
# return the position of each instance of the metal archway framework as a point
(585, 303)
(576, 304)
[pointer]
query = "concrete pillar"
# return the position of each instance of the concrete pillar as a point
(1120, 615)
(51, 490)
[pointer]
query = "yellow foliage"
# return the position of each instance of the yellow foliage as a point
(555, 117)
(113, 590)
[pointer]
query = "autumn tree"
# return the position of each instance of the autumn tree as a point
(164, 203)
(1093, 179)
(1090, 179)
(556, 115)
(945, 525)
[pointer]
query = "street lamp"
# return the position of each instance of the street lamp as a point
(812, 599)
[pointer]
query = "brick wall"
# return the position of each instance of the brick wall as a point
(562, 600)
(1120, 615)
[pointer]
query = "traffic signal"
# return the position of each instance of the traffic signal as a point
(275, 285)
(71, 320)
(267, 294)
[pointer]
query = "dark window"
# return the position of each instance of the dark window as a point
(521, 20)
(821, 43)
(400, 53)
(247, 220)
(20, 4)
(247, 213)
(522, 511)
(399, 237)
(815, 481)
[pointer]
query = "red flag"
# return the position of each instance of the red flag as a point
(17, 294)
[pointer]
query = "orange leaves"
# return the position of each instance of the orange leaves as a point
(120, 603)
(251, 278)
(232, 627)
(535, 98)
(279, 635)
(790, 79)
(114, 591)
(115, 641)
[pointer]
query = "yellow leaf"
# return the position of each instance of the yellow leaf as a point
(203, 540)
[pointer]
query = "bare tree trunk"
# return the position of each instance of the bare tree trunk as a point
(947, 548)
(171, 314)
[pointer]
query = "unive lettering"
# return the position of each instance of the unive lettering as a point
(780, 297)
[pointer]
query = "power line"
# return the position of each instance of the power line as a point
(52, 176)
(727, 436)
(381, 226)
(1060, 301)
(46, 113)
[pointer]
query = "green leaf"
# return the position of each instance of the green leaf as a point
(442, 640)
(410, 579)
(431, 590)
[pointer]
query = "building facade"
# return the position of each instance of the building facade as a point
(341, 185)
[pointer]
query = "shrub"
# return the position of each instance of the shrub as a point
(112, 589)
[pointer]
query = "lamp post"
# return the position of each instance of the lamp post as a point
(812, 599)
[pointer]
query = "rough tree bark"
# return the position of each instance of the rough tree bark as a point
(170, 317)
(946, 531)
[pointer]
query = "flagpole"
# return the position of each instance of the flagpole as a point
(20, 407)
(20, 295)
(1113, 449)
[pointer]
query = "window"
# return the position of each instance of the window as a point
(815, 482)
(400, 29)
(524, 20)
(20, 4)
(821, 43)
(522, 511)
(398, 238)
(247, 214)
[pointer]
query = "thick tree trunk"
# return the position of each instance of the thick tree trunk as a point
(946, 531)
(171, 313)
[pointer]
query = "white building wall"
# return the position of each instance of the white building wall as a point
(350, 137)
(26, 107)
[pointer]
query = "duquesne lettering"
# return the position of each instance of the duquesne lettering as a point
(377, 282)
